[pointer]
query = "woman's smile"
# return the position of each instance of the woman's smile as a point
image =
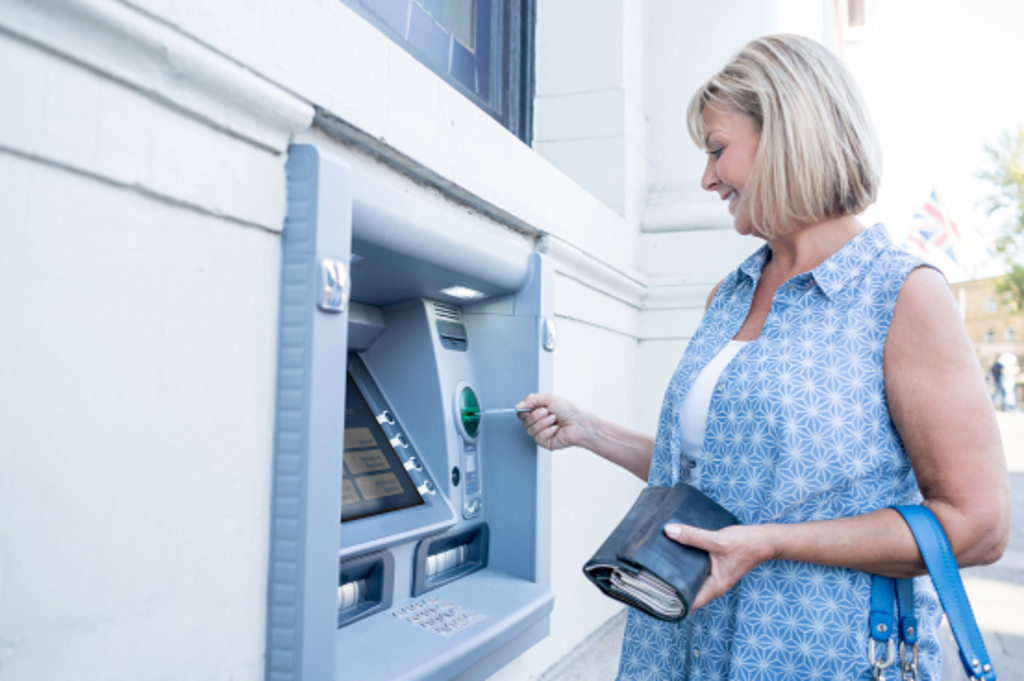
(732, 140)
(733, 198)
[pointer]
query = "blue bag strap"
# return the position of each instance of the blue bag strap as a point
(884, 591)
(880, 623)
(880, 618)
(945, 574)
(908, 621)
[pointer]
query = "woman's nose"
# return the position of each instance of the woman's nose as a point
(709, 180)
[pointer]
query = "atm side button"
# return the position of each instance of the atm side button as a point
(472, 506)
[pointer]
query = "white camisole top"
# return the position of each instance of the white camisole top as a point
(693, 412)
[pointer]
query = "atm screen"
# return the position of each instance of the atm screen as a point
(374, 479)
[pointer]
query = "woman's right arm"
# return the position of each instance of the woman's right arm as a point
(555, 422)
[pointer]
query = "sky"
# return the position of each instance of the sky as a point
(943, 79)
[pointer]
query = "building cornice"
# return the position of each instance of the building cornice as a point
(141, 52)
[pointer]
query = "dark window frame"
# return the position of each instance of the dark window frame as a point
(509, 57)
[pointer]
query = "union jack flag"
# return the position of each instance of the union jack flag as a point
(934, 231)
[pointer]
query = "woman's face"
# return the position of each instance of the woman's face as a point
(731, 141)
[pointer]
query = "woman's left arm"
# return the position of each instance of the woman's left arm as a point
(941, 409)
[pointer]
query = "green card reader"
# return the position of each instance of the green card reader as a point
(467, 422)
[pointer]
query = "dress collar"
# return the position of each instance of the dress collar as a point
(840, 269)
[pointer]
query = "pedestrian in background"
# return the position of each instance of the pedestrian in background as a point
(996, 372)
(830, 378)
(1008, 380)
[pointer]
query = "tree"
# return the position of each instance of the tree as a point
(1007, 174)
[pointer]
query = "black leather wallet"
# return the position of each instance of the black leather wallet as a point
(639, 565)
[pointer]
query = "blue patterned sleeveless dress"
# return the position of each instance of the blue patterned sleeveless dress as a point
(797, 430)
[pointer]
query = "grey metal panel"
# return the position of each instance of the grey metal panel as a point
(306, 505)
(408, 247)
(365, 324)
(502, 655)
(387, 648)
(508, 363)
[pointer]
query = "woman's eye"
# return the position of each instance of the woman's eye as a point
(717, 153)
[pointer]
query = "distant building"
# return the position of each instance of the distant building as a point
(992, 324)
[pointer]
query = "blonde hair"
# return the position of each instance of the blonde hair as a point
(818, 155)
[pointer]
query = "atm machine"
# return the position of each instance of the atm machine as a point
(410, 511)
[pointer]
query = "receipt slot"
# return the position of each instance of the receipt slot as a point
(409, 525)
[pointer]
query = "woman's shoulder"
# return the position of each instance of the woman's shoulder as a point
(923, 285)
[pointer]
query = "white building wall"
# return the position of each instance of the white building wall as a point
(589, 117)
(142, 149)
(139, 254)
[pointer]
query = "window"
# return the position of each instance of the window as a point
(855, 13)
(991, 305)
(858, 17)
(484, 48)
(1009, 334)
(990, 336)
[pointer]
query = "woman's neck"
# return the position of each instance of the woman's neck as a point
(806, 248)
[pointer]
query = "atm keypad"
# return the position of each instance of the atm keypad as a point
(440, 617)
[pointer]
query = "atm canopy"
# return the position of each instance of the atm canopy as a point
(406, 247)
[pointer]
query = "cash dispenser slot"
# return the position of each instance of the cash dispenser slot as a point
(440, 560)
(364, 586)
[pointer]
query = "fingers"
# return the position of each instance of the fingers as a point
(708, 592)
(538, 421)
(687, 535)
(539, 416)
(721, 577)
(541, 425)
(535, 414)
(549, 421)
(734, 552)
(533, 400)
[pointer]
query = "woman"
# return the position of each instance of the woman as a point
(829, 379)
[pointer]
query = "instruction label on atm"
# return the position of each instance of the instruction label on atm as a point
(349, 495)
(377, 486)
(356, 438)
(368, 461)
